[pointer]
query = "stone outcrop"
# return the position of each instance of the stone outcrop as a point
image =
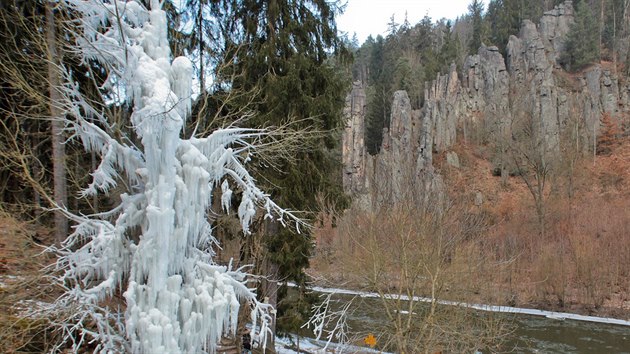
(393, 165)
(554, 27)
(442, 108)
(485, 80)
(600, 93)
(353, 142)
(533, 84)
(403, 171)
(526, 91)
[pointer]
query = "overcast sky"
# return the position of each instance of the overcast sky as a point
(367, 17)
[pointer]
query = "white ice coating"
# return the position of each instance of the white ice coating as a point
(177, 299)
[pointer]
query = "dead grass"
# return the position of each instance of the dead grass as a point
(582, 264)
(22, 283)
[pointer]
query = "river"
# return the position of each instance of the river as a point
(547, 332)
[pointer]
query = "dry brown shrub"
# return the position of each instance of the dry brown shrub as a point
(610, 135)
(416, 251)
(23, 285)
(582, 263)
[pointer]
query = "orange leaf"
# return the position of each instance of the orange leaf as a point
(370, 340)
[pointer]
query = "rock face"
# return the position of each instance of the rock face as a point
(554, 26)
(486, 83)
(525, 92)
(403, 171)
(533, 84)
(442, 108)
(353, 142)
(392, 166)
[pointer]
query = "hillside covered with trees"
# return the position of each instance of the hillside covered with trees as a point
(488, 162)
(169, 168)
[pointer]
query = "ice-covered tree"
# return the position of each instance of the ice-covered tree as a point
(155, 247)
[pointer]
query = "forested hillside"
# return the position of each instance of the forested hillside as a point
(169, 168)
(411, 55)
(488, 162)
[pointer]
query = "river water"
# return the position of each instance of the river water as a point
(531, 334)
(535, 334)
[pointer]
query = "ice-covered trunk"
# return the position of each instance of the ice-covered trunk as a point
(152, 323)
(160, 292)
(150, 303)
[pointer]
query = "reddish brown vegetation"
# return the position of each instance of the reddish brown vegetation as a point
(21, 260)
(610, 135)
(582, 262)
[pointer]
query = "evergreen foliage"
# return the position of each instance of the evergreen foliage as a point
(450, 50)
(613, 28)
(379, 93)
(504, 17)
(279, 57)
(582, 45)
(475, 11)
(408, 58)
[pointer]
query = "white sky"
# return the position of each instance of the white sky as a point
(367, 17)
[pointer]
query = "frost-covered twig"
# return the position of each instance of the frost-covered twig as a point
(328, 323)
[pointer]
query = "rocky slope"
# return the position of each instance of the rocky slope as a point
(525, 98)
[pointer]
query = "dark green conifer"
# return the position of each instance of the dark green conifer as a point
(582, 45)
(280, 55)
(475, 11)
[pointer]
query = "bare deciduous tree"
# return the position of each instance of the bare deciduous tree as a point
(408, 251)
(60, 190)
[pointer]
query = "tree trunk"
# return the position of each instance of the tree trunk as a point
(601, 27)
(270, 286)
(60, 194)
(37, 172)
(202, 84)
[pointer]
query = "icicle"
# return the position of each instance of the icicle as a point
(181, 82)
(226, 196)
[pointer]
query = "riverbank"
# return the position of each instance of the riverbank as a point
(529, 330)
(489, 245)
(615, 310)
(481, 307)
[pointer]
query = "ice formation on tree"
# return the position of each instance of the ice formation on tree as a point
(177, 299)
(328, 323)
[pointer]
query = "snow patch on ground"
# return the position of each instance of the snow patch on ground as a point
(285, 345)
(482, 307)
(9, 278)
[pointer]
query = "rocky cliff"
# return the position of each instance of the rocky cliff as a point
(403, 170)
(353, 142)
(493, 100)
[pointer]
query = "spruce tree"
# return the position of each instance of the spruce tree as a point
(582, 45)
(278, 56)
(504, 19)
(475, 11)
(378, 95)
(450, 49)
